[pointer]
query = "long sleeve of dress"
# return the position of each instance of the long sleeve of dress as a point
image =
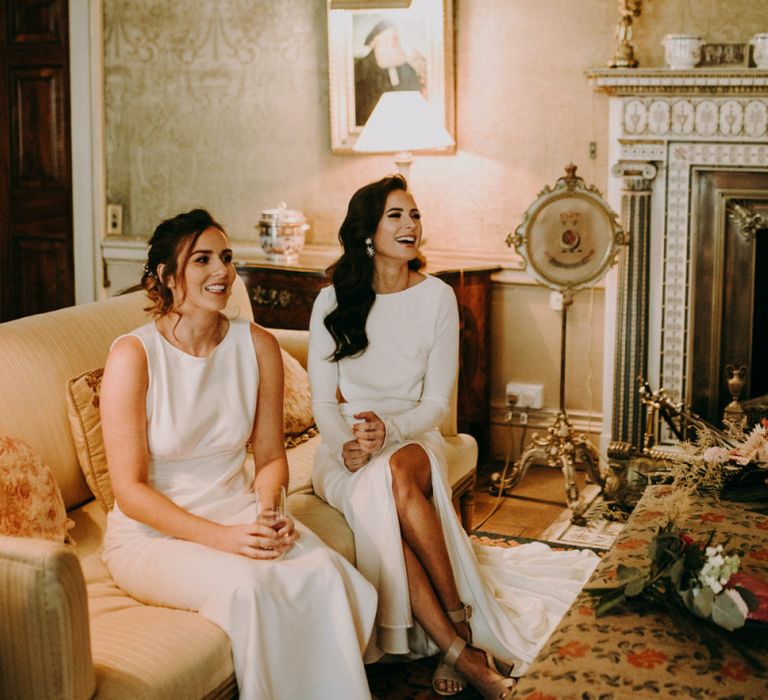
(324, 378)
(442, 368)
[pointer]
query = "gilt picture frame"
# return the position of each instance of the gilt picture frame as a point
(380, 45)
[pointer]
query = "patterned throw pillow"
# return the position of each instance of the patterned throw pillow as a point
(30, 500)
(85, 422)
(85, 425)
(297, 402)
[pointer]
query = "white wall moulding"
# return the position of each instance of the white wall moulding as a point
(541, 419)
(661, 81)
(674, 122)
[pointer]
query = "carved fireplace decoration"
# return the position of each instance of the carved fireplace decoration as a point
(747, 221)
(689, 155)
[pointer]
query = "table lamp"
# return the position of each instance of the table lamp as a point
(402, 121)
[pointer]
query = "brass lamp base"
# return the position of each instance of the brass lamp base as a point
(560, 449)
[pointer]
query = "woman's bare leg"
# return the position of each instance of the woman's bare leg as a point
(420, 525)
(431, 585)
(430, 615)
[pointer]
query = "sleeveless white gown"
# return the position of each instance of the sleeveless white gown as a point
(406, 376)
(298, 625)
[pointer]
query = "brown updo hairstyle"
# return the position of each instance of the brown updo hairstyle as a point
(170, 239)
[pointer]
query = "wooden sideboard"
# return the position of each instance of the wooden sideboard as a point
(282, 296)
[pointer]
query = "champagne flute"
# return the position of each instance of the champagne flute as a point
(271, 506)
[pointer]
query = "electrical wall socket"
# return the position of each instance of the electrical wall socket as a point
(525, 396)
(114, 219)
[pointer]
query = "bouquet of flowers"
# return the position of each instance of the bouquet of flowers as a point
(743, 467)
(753, 449)
(734, 465)
(700, 585)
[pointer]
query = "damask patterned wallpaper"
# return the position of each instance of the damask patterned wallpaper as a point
(212, 103)
(224, 104)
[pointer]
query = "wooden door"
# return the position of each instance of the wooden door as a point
(36, 247)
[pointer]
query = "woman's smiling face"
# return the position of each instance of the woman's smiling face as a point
(209, 272)
(398, 234)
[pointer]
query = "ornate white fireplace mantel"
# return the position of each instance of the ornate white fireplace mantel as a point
(664, 125)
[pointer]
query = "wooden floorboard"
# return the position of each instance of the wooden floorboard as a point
(532, 506)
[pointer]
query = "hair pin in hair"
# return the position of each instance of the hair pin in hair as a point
(148, 272)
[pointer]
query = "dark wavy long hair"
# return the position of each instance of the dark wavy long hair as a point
(352, 273)
(165, 247)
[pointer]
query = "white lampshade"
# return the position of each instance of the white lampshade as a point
(402, 121)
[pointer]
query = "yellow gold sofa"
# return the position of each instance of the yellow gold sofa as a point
(66, 630)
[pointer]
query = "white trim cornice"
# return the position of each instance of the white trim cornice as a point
(696, 81)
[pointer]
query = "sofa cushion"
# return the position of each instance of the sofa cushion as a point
(325, 521)
(144, 651)
(85, 423)
(30, 500)
(301, 461)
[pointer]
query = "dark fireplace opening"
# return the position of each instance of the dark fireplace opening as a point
(728, 315)
(758, 386)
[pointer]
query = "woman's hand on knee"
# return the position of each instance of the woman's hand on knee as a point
(370, 434)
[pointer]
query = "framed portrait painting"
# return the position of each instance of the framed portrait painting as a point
(376, 46)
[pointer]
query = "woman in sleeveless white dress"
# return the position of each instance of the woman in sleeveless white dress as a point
(382, 462)
(181, 398)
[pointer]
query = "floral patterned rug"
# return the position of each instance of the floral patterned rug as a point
(412, 680)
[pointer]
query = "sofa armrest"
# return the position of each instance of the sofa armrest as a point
(44, 632)
(449, 426)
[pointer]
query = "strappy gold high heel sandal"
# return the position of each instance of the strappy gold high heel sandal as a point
(500, 689)
(462, 615)
(446, 671)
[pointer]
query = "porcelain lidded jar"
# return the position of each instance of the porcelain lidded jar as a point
(282, 233)
(682, 50)
(759, 44)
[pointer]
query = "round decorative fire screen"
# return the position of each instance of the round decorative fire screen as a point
(569, 236)
(568, 239)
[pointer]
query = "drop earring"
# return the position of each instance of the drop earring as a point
(369, 249)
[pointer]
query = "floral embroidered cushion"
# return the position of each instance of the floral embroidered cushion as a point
(85, 422)
(30, 500)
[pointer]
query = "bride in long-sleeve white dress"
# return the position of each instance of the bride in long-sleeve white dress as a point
(382, 463)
